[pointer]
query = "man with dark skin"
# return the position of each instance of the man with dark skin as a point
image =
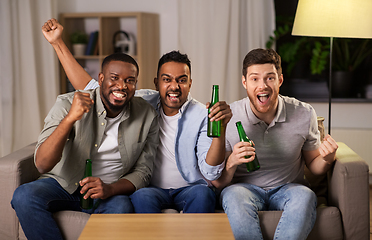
(117, 131)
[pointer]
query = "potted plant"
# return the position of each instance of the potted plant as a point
(348, 55)
(79, 40)
(297, 48)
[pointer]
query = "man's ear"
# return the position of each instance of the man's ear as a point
(281, 79)
(156, 83)
(244, 82)
(100, 78)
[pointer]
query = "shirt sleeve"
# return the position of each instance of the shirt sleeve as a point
(204, 142)
(53, 119)
(93, 84)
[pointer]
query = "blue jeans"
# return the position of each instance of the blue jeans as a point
(242, 202)
(35, 203)
(192, 199)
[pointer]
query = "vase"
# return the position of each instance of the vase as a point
(342, 84)
(79, 49)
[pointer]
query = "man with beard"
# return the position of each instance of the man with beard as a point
(117, 131)
(285, 135)
(186, 159)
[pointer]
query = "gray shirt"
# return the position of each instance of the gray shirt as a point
(278, 145)
(137, 140)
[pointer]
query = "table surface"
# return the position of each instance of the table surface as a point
(158, 226)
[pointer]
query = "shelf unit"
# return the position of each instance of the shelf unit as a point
(145, 27)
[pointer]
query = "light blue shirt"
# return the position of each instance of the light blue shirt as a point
(192, 143)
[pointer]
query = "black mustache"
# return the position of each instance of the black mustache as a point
(177, 91)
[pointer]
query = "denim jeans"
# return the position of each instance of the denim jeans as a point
(242, 202)
(35, 203)
(192, 199)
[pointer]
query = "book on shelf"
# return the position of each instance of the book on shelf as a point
(93, 39)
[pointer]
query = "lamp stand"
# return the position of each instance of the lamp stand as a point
(330, 85)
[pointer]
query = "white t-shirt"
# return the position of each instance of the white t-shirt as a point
(166, 174)
(106, 163)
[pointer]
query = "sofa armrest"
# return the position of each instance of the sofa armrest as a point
(15, 169)
(349, 191)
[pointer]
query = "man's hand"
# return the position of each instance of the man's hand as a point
(95, 188)
(52, 31)
(328, 149)
(81, 104)
(220, 111)
(237, 157)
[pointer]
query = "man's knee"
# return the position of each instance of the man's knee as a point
(203, 192)
(116, 204)
(143, 194)
(22, 196)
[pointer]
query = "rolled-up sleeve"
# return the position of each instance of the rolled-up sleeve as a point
(204, 142)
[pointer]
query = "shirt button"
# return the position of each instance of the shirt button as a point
(267, 132)
(102, 124)
(96, 145)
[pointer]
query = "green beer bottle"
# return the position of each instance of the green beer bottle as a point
(254, 165)
(87, 203)
(214, 128)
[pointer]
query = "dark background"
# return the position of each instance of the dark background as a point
(301, 84)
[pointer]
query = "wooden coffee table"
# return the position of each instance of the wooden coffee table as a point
(158, 226)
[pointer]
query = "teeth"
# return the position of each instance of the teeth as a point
(119, 95)
(173, 95)
(263, 97)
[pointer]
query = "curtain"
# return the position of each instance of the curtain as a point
(28, 71)
(216, 35)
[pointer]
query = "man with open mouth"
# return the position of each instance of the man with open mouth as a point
(285, 134)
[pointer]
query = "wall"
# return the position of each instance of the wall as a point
(351, 123)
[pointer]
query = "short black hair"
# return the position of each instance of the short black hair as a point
(174, 56)
(262, 56)
(119, 56)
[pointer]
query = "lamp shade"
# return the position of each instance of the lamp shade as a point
(333, 18)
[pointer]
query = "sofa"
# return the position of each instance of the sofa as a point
(342, 213)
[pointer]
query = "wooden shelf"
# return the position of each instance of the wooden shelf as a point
(145, 27)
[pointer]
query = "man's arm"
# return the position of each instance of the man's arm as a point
(319, 161)
(235, 158)
(216, 153)
(49, 152)
(76, 74)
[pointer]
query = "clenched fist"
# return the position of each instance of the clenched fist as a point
(52, 31)
(81, 104)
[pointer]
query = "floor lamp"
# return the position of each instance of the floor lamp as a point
(333, 18)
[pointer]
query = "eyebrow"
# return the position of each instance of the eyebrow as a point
(270, 73)
(178, 77)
